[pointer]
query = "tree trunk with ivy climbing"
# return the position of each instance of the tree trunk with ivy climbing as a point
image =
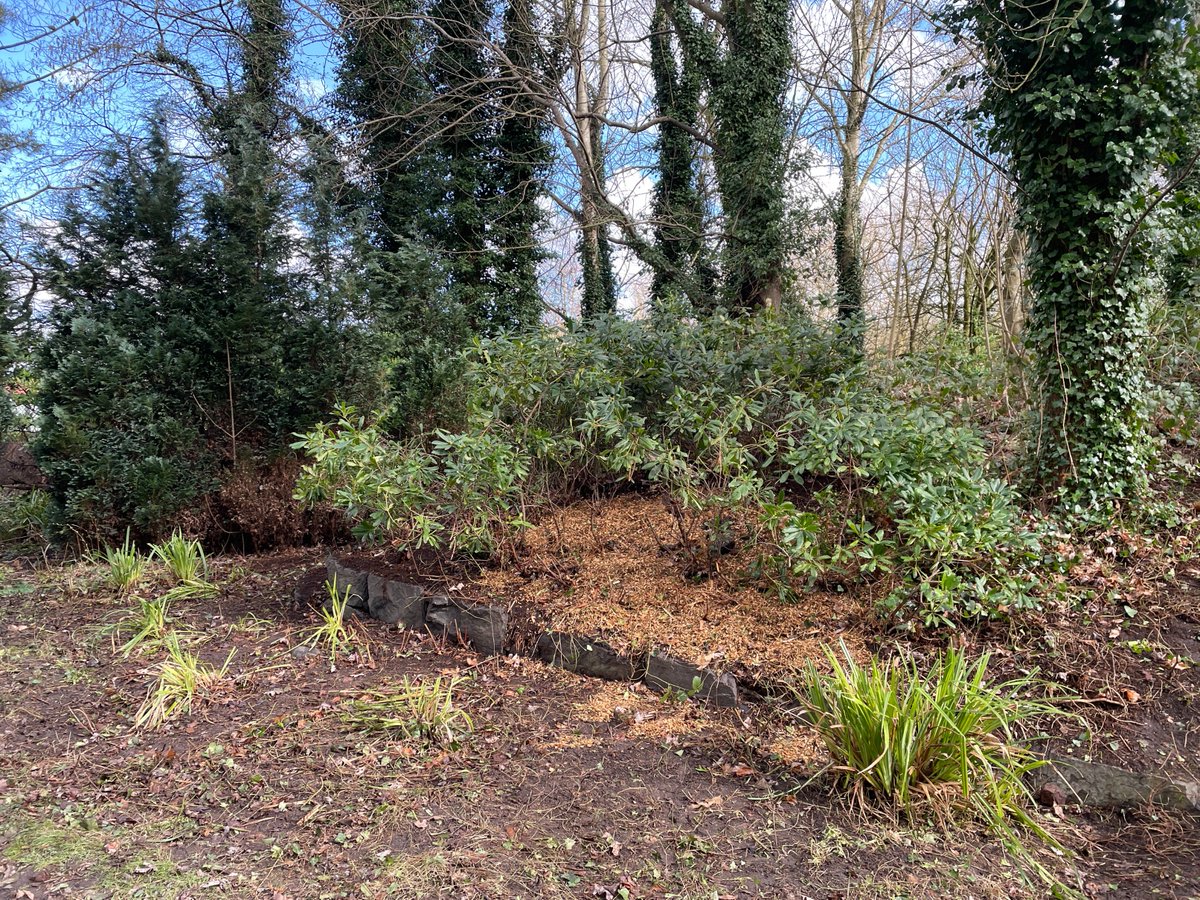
(1085, 101)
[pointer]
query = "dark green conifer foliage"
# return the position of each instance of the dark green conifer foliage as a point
(1084, 100)
(326, 211)
(251, 294)
(523, 156)
(186, 340)
(335, 353)
(119, 437)
(684, 270)
(453, 162)
(1182, 264)
(384, 100)
(16, 341)
(746, 73)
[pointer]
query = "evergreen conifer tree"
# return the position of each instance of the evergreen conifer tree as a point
(119, 436)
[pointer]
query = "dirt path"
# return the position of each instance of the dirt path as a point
(566, 788)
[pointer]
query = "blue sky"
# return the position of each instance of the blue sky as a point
(109, 88)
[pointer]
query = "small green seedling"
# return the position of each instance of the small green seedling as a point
(679, 695)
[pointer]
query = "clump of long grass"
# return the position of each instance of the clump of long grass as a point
(335, 632)
(23, 516)
(191, 590)
(181, 679)
(126, 564)
(146, 624)
(424, 711)
(942, 743)
(185, 559)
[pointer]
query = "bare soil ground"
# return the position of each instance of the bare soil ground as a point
(567, 787)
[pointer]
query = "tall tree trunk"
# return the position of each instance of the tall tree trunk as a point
(848, 239)
(591, 108)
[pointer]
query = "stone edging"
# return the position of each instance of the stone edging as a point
(486, 628)
(1096, 784)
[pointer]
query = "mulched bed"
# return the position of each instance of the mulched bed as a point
(617, 570)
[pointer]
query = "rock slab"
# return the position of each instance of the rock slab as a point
(483, 627)
(665, 672)
(586, 657)
(352, 584)
(1095, 784)
(395, 602)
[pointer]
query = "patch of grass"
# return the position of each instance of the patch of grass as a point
(78, 844)
(181, 679)
(424, 711)
(18, 588)
(942, 742)
(126, 565)
(72, 675)
(335, 632)
(237, 572)
(416, 875)
(251, 624)
(42, 843)
(184, 558)
(147, 624)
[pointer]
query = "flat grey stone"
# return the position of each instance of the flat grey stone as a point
(586, 657)
(302, 651)
(663, 672)
(353, 579)
(483, 627)
(396, 602)
(303, 597)
(1095, 784)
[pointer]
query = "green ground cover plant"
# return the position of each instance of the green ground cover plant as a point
(765, 419)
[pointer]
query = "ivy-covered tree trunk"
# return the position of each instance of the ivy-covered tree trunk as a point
(746, 74)
(523, 157)
(847, 238)
(465, 148)
(847, 253)
(1084, 101)
(598, 281)
(381, 88)
(416, 89)
(683, 269)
